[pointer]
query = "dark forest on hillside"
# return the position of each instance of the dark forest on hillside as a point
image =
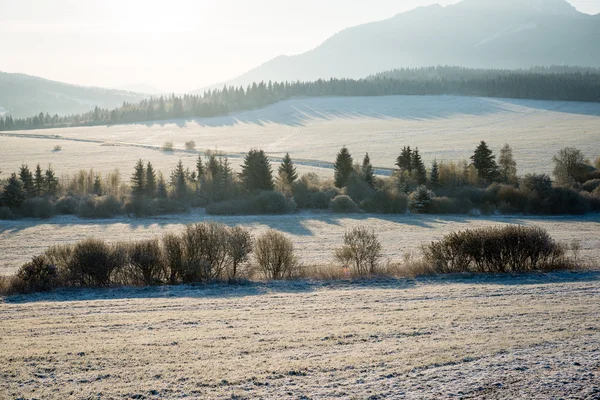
(553, 83)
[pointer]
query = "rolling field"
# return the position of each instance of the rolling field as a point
(315, 235)
(533, 336)
(443, 127)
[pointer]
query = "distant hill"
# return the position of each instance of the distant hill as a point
(23, 95)
(506, 34)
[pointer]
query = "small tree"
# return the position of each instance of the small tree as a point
(418, 167)
(200, 170)
(14, 194)
(342, 168)
(287, 170)
(367, 171)
(191, 145)
(39, 182)
(508, 165)
(256, 172)
(138, 178)
(97, 188)
(27, 179)
(150, 187)
(178, 181)
(485, 163)
(274, 254)
(419, 201)
(51, 182)
(239, 247)
(161, 187)
(434, 175)
(361, 250)
(569, 166)
(405, 160)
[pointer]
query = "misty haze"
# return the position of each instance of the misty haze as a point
(303, 200)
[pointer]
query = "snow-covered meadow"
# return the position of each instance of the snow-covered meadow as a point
(445, 128)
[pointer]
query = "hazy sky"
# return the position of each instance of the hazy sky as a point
(175, 45)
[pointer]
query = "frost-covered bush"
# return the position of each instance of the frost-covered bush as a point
(343, 204)
(38, 275)
(274, 254)
(361, 251)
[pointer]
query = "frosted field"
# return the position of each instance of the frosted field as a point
(443, 127)
(533, 337)
(315, 235)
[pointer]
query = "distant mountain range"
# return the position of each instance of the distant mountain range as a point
(23, 96)
(473, 33)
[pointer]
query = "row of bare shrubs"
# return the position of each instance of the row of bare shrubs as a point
(202, 253)
(208, 252)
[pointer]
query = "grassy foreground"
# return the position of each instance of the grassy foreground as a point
(482, 337)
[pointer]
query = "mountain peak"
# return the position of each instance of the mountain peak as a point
(554, 7)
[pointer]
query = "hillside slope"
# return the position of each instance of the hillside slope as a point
(24, 95)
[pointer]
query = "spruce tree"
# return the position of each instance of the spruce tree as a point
(434, 175)
(367, 171)
(418, 167)
(161, 187)
(485, 163)
(405, 160)
(178, 181)
(38, 181)
(508, 165)
(51, 182)
(27, 179)
(212, 167)
(287, 170)
(14, 193)
(137, 179)
(150, 188)
(342, 168)
(200, 170)
(256, 172)
(97, 189)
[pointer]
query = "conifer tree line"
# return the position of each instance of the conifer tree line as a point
(554, 83)
(487, 180)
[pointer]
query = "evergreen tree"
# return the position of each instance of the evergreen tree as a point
(14, 192)
(97, 189)
(51, 182)
(200, 170)
(418, 167)
(287, 170)
(38, 181)
(137, 179)
(367, 171)
(508, 166)
(405, 160)
(27, 179)
(342, 168)
(256, 172)
(150, 189)
(485, 163)
(434, 176)
(213, 166)
(179, 182)
(161, 187)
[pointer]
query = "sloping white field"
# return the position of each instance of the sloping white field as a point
(442, 127)
(315, 235)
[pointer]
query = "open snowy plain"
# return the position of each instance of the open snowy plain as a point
(446, 128)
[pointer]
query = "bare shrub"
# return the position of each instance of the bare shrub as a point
(495, 250)
(191, 145)
(38, 275)
(386, 202)
(146, 260)
(274, 254)
(239, 247)
(173, 258)
(361, 250)
(343, 204)
(92, 262)
(100, 207)
(168, 146)
(205, 251)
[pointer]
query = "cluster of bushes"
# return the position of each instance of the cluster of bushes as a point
(484, 186)
(496, 250)
(201, 253)
(209, 252)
